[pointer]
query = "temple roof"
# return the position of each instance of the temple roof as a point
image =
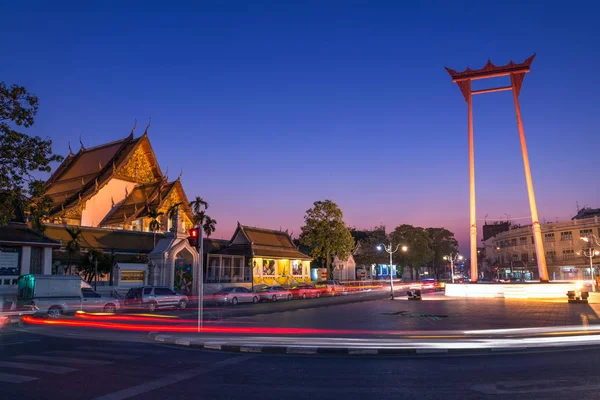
(80, 175)
(20, 234)
(490, 69)
(107, 239)
(144, 198)
(267, 243)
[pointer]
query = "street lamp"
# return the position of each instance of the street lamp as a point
(389, 250)
(453, 258)
(590, 253)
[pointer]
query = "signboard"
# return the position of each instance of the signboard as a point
(183, 277)
(132, 276)
(9, 261)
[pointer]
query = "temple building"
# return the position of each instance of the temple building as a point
(110, 193)
(115, 185)
(257, 256)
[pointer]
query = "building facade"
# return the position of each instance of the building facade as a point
(257, 256)
(512, 253)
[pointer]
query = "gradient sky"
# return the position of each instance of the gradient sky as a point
(270, 106)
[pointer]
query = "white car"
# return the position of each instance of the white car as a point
(274, 293)
(234, 295)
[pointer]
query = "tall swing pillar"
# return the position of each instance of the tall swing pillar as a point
(517, 74)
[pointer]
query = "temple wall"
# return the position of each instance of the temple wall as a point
(99, 205)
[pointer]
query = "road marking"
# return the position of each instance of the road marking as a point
(21, 342)
(183, 342)
(10, 378)
(63, 359)
(53, 369)
(171, 379)
(135, 351)
(95, 354)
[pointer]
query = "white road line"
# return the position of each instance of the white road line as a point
(124, 350)
(53, 369)
(10, 378)
(21, 342)
(93, 354)
(301, 350)
(171, 379)
(63, 359)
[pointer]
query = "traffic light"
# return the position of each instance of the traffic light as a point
(193, 236)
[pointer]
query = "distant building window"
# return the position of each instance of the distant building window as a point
(549, 237)
(534, 256)
(525, 256)
(551, 255)
(532, 240)
(568, 254)
(515, 257)
(568, 235)
(523, 240)
(513, 242)
(585, 233)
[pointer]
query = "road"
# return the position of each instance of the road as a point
(41, 367)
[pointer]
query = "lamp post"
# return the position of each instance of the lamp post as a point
(389, 250)
(453, 258)
(590, 252)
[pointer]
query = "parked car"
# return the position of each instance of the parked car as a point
(94, 302)
(234, 295)
(330, 288)
(274, 293)
(54, 295)
(153, 297)
(305, 291)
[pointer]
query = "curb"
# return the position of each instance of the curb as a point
(300, 350)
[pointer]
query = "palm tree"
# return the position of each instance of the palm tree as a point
(73, 245)
(155, 225)
(209, 225)
(198, 204)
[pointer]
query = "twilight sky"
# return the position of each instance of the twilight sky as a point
(268, 106)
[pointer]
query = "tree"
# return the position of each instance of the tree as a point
(417, 240)
(172, 212)
(87, 266)
(325, 233)
(200, 218)
(20, 155)
(38, 206)
(155, 225)
(73, 247)
(442, 243)
(366, 251)
(209, 225)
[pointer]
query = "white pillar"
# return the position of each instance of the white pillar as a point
(47, 262)
(25, 259)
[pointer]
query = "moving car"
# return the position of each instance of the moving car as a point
(330, 288)
(274, 293)
(153, 297)
(305, 291)
(234, 295)
(54, 295)
(433, 284)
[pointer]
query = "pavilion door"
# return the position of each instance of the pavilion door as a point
(184, 278)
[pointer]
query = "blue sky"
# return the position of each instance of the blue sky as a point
(270, 106)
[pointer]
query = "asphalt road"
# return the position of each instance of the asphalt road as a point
(40, 367)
